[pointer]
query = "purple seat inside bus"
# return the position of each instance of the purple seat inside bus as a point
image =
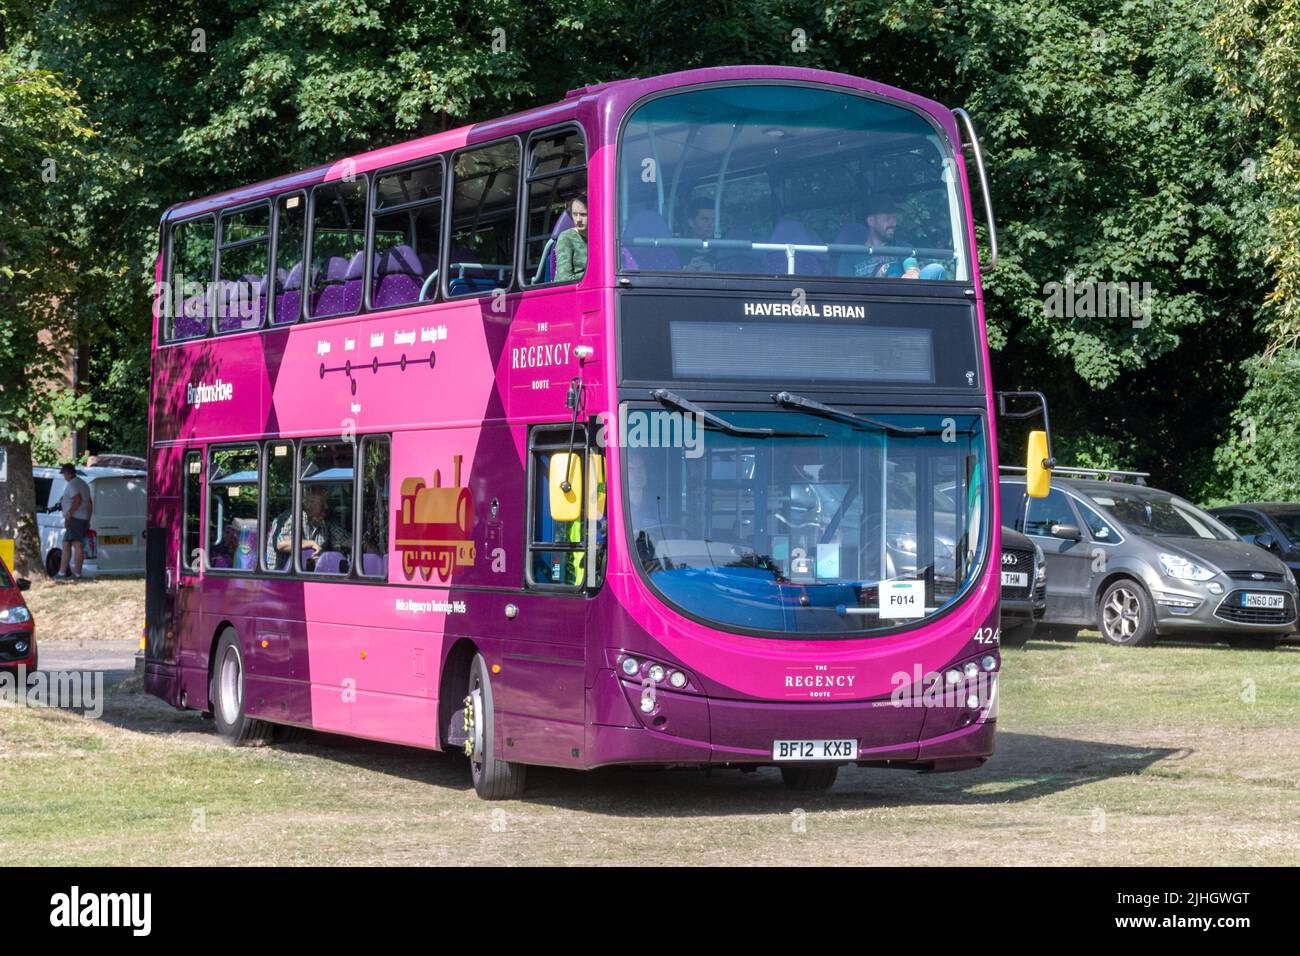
(374, 565)
(288, 298)
(564, 222)
(241, 303)
(805, 263)
(399, 274)
(330, 297)
(353, 281)
(648, 224)
(193, 320)
(330, 562)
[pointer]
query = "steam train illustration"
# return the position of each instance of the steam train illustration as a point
(434, 526)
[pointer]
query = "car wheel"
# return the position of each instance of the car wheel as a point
(1126, 615)
(226, 691)
(493, 779)
(810, 779)
(53, 558)
(1017, 636)
(1255, 642)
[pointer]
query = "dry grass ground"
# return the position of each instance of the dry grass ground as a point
(88, 610)
(1178, 754)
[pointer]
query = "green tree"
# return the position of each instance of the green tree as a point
(1116, 155)
(42, 138)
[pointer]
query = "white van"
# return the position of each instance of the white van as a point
(115, 542)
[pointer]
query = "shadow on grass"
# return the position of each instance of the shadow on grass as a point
(1025, 767)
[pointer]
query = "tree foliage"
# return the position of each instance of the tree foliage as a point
(1117, 151)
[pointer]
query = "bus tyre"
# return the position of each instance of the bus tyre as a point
(493, 779)
(1126, 615)
(226, 691)
(815, 777)
(1017, 636)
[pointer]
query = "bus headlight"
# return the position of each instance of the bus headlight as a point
(677, 679)
(630, 666)
(971, 669)
(657, 673)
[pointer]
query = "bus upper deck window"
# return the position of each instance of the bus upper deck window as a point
(408, 232)
(555, 248)
(187, 302)
(338, 240)
(290, 243)
(242, 268)
(484, 189)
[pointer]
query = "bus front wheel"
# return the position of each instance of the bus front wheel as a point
(810, 778)
(226, 691)
(493, 779)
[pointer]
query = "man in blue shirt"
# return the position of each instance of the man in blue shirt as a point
(882, 223)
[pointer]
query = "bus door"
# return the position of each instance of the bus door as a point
(187, 598)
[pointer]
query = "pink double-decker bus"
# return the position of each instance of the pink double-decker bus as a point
(653, 426)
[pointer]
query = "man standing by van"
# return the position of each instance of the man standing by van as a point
(77, 509)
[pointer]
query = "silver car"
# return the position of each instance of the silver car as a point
(1138, 563)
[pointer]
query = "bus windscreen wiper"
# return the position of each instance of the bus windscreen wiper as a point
(791, 400)
(665, 397)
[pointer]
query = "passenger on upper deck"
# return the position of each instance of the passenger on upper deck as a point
(882, 222)
(571, 247)
(701, 221)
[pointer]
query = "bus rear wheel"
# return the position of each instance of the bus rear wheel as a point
(815, 777)
(493, 779)
(226, 691)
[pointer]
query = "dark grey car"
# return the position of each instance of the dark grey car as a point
(1137, 563)
(1271, 525)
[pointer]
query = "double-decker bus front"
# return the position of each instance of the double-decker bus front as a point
(800, 515)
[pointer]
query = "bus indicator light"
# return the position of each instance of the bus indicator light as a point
(496, 668)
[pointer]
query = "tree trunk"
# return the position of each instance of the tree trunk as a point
(18, 511)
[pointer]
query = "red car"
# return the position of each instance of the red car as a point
(17, 629)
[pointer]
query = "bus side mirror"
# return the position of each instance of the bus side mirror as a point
(1038, 466)
(565, 471)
